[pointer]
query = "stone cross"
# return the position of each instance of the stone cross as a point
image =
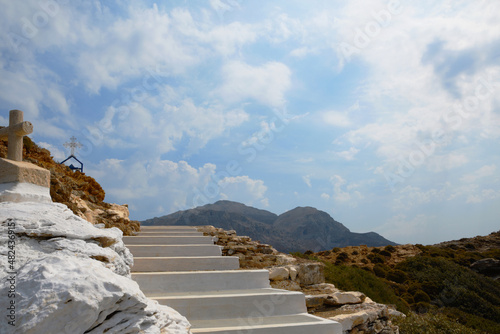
(15, 132)
(21, 181)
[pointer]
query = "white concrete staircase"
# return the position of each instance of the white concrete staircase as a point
(179, 267)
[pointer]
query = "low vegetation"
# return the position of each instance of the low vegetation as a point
(431, 324)
(434, 287)
(356, 279)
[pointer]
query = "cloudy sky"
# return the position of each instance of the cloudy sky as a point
(385, 114)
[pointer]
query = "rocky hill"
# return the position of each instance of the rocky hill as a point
(300, 229)
(449, 285)
(80, 192)
(479, 243)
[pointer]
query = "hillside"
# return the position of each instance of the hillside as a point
(79, 192)
(450, 284)
(300, 229)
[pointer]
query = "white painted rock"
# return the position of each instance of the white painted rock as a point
(42, 228)
(71, 277)
(56, 294)
(278, 274)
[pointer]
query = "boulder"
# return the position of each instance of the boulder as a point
(311, 273)
(278, 274)
(321, 288)
(315, 301)
(284, 259)
(286, 285)
(488, 267)
(349, 321)
(293, 273)
(342, 298)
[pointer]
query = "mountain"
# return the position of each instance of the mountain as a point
(300, 229)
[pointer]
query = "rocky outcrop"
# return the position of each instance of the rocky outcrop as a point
(356, 312)
(479, 244)
(79, 192)
(61, 274)
(367, 317)
(488, 267)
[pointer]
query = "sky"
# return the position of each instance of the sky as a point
(385, 114)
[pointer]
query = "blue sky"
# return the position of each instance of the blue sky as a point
(385, 114)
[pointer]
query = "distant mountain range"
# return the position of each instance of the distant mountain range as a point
(300, 229)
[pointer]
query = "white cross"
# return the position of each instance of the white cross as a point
(15, 132)
(73, 145)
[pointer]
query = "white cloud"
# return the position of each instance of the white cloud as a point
(243, 189)
(412, 196)
(30, 88)
(405, 75)
(344, 192)
(440, 163)
(307, 180)
(230, 38)
(347, 155)
(127, 47)
(483, 195)
(336, 118)
(222, 6)
(339, 119)
(107, 48)
(166, 122)
(264, 136)
(57, 153)
(485, 171)
(302, 52)
(145, 185)
(266, 84)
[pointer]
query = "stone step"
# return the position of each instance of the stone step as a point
(160, 283)
(154, 264)
(174, 250)
(168, 233)
(168, 228)
(138, 240)
(288, 324)
(180, 268)
(205, 305)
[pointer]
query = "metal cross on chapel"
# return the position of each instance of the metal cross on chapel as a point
(73, 145)
(15, 132)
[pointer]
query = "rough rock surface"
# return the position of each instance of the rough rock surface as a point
(367, 317)
(67, 276)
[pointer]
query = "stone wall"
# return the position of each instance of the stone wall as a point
(356, 312)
